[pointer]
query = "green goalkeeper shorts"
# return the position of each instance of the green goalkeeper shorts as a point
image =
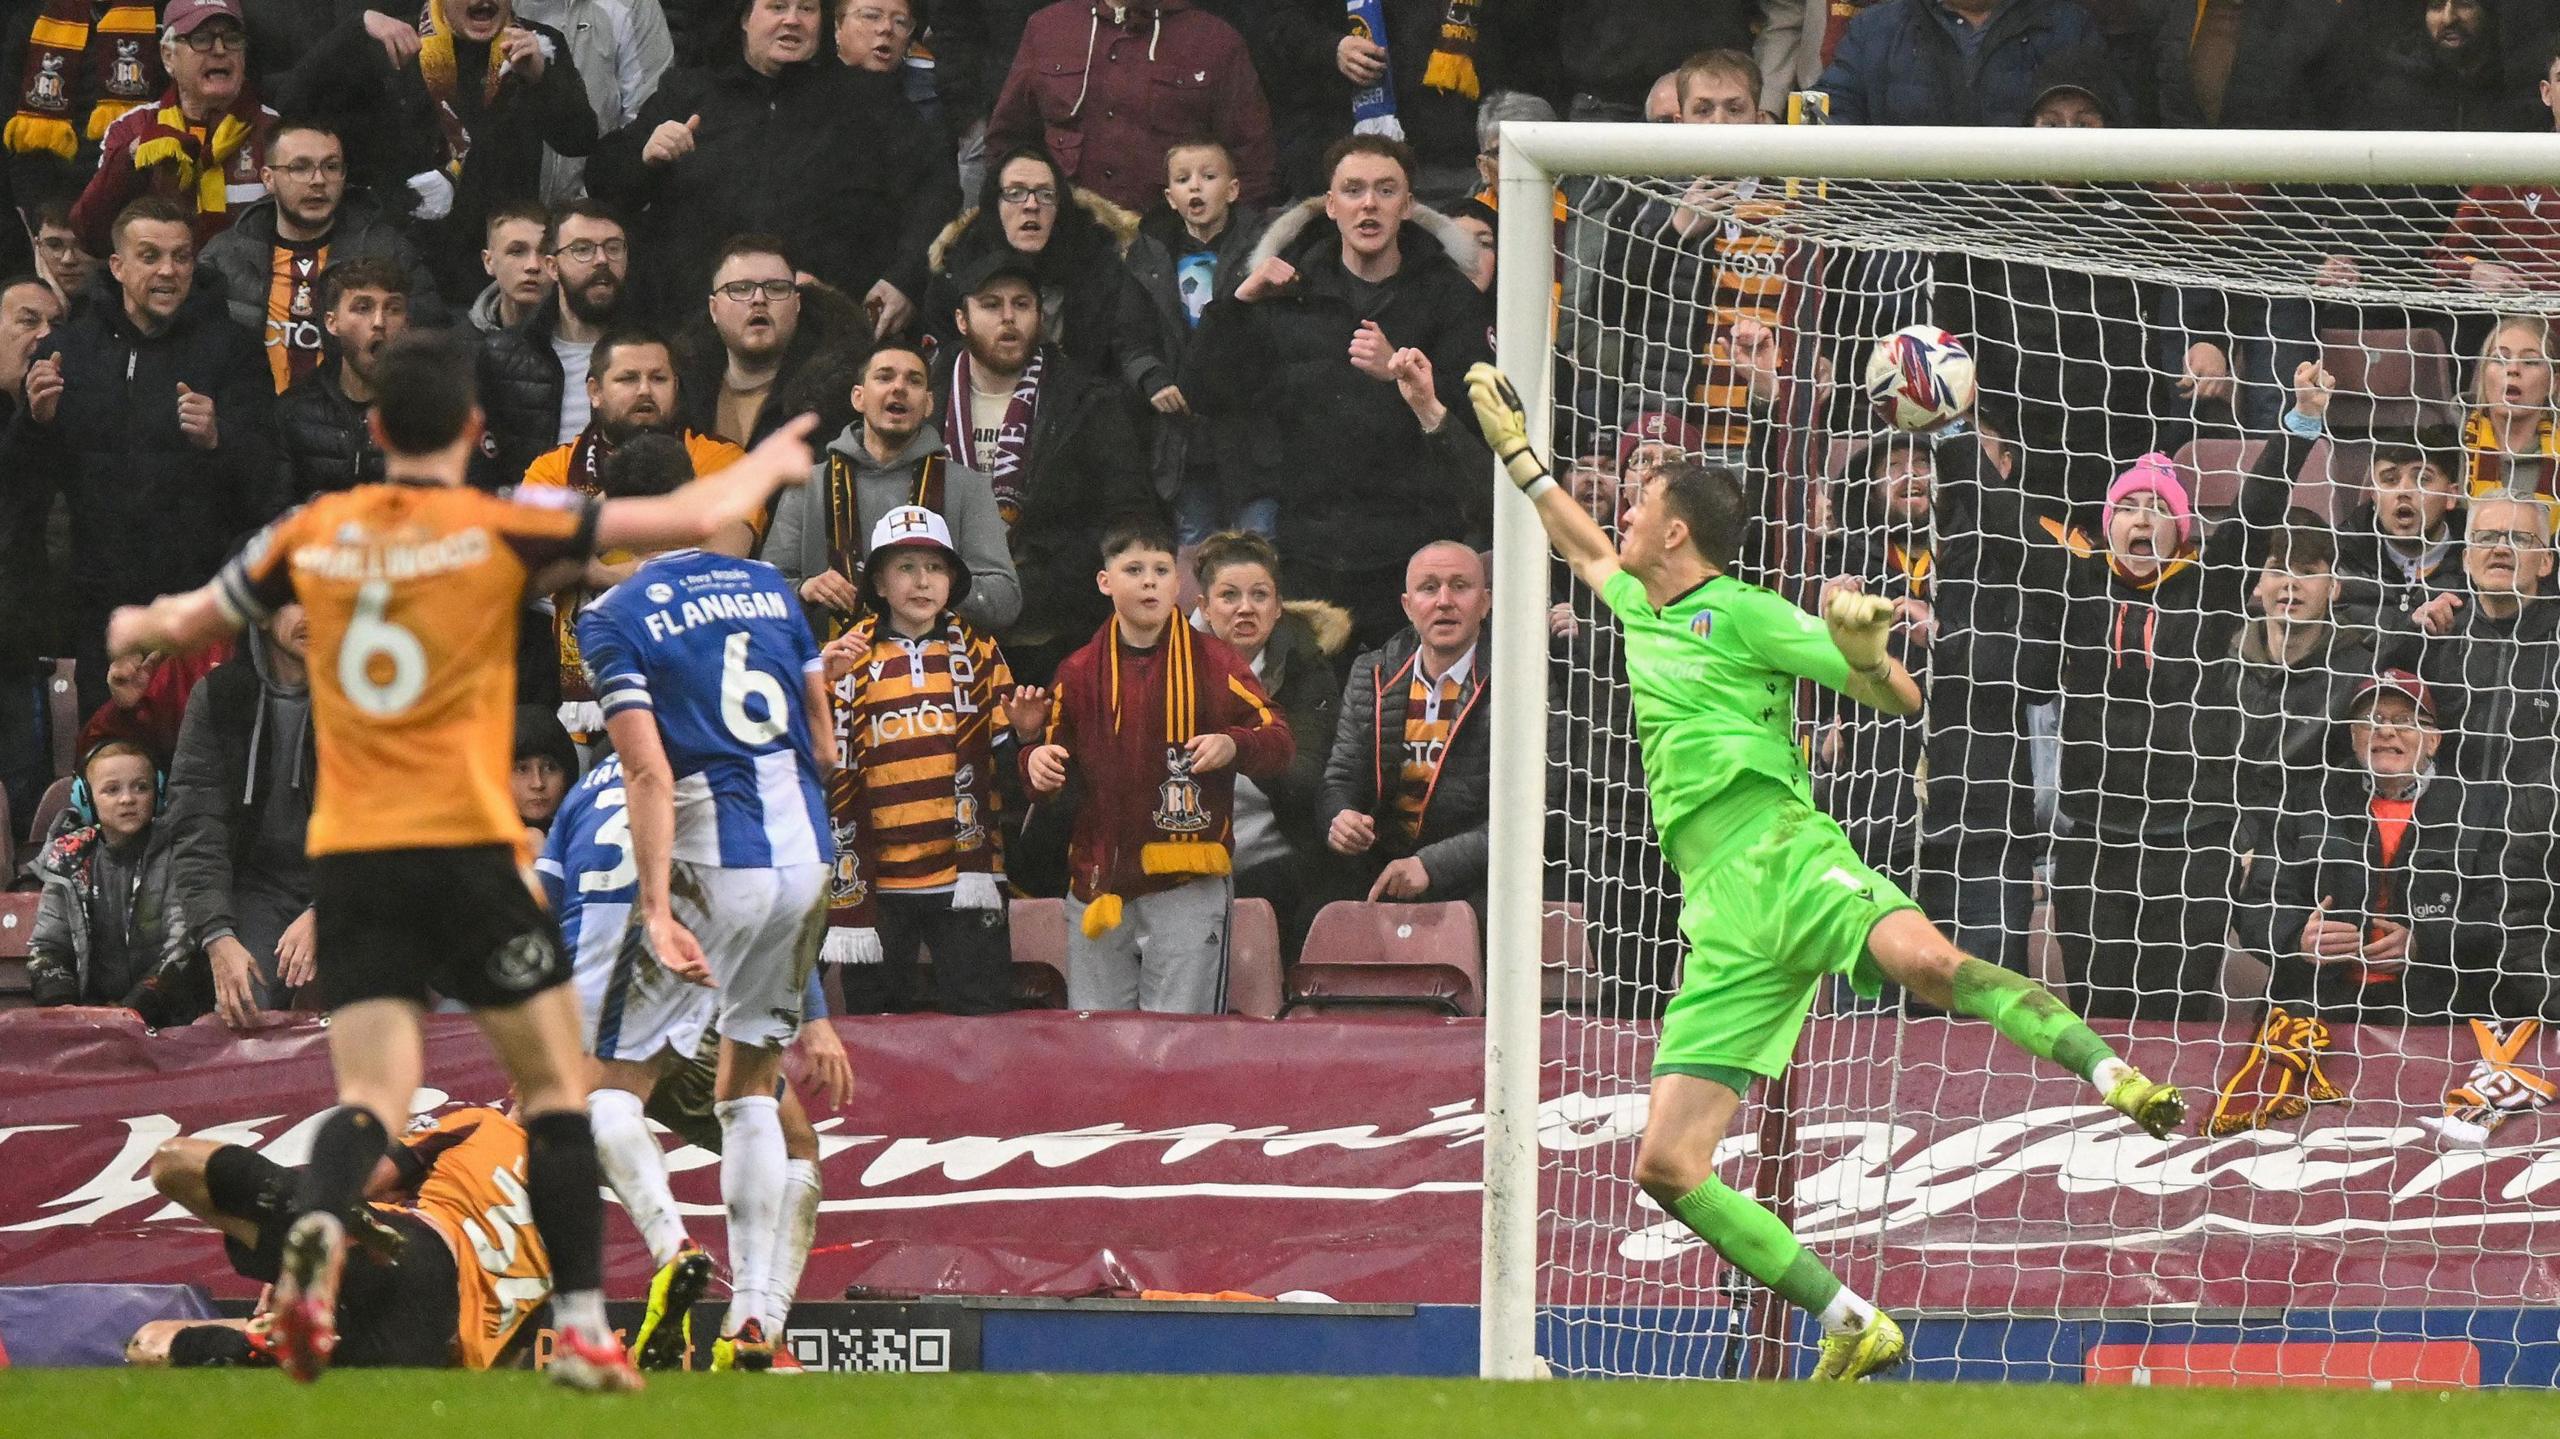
(1773, 901)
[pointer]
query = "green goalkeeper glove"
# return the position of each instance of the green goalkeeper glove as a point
(1859, 624)
(1505, 426)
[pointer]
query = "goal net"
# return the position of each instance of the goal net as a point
(2155, 769)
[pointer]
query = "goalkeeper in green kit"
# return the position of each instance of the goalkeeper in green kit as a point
(1774, 899)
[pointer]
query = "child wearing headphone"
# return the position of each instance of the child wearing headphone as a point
(108, 928)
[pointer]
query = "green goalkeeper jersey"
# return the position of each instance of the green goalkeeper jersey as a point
(1714, 675)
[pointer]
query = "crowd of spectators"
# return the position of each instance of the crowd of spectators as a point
(1071, 275)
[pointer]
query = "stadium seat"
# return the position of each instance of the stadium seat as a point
(2333, 478)
(57, 798)
(1253, 960)
(1361, 955)
(1039, 929)
(2212, 469)
(2394, 379)
(62, 714)
(17, 939)
(1567, 978)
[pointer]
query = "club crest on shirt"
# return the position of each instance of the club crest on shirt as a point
(1179, 809)
(1702, 623)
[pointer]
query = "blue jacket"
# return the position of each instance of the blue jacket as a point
(1900, 63)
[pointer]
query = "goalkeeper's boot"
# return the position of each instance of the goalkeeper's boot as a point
(306, 1297)
(1873, 1348)
(2158, 1107)
(747, 1351)
(592, 1363)
(665, 1340)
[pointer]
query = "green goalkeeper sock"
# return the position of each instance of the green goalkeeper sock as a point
(2028, 1016)
(1754, 1241)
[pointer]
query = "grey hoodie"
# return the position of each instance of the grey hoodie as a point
(797, 543)
(240, 792)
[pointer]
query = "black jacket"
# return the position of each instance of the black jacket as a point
(1298, 673)
(1302, 37)
(218, 790)
(521, 389)
(150, 513)
(2374, 587)
(322, 435)
(1091, 304)
(2388, 76)
(1361, 771)
(832, 160)
(2288, 725)
(1361, 487)
(1612, 50)
(390, 124)
(2279, 64)
(1084, 470)
(2145, 672)
(818, 371)
(2073, 348)
(2442, 884)
(1194, 444)
(241, 258)
(1980, 787)
(2497, 691)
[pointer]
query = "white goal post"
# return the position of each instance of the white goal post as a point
(1535, 160)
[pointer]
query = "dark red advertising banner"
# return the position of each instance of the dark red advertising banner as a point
(1051, 1154)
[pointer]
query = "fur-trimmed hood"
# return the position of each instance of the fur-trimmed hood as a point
(1120, 224)
(1289, 233)
(1328, 623)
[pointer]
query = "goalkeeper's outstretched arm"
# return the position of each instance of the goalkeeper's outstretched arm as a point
(1577, 538)
(1859, 624)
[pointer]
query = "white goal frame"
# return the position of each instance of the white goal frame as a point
(1535, 156)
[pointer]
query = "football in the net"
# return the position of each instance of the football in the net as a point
(1920, 378)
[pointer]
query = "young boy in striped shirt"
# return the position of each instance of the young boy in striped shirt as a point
(929, 722)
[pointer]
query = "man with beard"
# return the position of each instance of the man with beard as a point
(271, 259)
(890, 455)
(1060, 449)
(774, 348)
(203, 143)
(2403, 545)
(2434, 65)
(457, 116)
(151, 411)
(533, 378)
(320, 419)
(631, 391)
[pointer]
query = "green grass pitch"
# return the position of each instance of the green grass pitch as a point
(102, 1404)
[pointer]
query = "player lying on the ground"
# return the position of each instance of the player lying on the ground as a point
(646, 1028)
(447, 1263)
(412, 588)
(1774, 899)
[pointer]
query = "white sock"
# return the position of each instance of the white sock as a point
(801, 1192)
(636, 1170)
(2109, 1073)
(751, 1165)
(581, 1311)
(1846, 1313)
